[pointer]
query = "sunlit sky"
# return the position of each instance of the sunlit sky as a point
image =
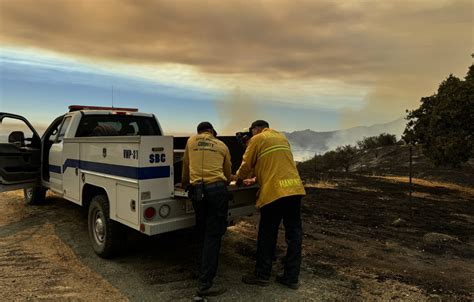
(321, 65)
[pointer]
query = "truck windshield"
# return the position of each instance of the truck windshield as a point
(117, 125)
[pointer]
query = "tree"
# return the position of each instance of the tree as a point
(444, 122)
(367, 143)
(344, 156)
(340, 159)
(386, 139)
(381, 140)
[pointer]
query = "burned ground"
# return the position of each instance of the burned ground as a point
(364, 239)
(368, 225)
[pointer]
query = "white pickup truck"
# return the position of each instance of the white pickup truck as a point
(116, 162)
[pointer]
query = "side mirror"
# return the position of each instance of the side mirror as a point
(17, 138)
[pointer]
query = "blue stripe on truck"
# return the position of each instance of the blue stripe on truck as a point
(116, 170)
(55, 169)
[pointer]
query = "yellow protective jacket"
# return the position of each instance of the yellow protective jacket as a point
(205, 159)
(269, 156)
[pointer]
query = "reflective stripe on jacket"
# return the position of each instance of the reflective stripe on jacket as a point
(269, 156)
(207, 159)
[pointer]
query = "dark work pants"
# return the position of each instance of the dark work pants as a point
(211, 224)
(271, 215)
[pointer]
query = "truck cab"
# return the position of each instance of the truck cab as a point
(117, 163)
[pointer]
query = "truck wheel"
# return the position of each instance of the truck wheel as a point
(107, 236)
(34, 195)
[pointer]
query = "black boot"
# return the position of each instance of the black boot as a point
(282, 280)
(255, 280)
(214, 290)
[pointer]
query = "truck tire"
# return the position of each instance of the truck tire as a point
(34, 195)
(107, 236)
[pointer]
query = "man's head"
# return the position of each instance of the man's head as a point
(258, 126)
(244, 136)
(206, 127)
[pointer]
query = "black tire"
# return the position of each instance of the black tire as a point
(34, 195)
(107, 236)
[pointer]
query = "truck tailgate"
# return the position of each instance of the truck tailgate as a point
(242, 196)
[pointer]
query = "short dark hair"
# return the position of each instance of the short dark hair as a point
(259, 123)
(203, 126)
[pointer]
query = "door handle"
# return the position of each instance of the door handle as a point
(76, 171)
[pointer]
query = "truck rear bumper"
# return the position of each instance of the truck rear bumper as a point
(188, 220)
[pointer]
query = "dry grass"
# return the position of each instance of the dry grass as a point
(466, 191)
(322, 185)
(421, 195)
(366, 189)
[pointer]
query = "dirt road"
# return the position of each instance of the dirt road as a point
(363, 241)
(45, 254)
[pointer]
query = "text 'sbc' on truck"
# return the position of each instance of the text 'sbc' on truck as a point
(116, 162)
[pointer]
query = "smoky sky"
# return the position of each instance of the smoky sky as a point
(286, 38)
(400, 49)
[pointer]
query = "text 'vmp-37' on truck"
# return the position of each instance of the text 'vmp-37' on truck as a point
(116, 163)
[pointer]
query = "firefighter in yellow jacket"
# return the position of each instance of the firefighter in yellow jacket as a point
(207, 171)
(268, 156)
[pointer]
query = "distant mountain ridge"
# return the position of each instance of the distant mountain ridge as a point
(306, 143)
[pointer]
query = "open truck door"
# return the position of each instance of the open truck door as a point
(20, 153)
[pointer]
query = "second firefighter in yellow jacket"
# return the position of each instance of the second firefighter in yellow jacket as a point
(268, 156)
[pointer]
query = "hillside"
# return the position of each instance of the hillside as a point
(394, 160)
(307, 142)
